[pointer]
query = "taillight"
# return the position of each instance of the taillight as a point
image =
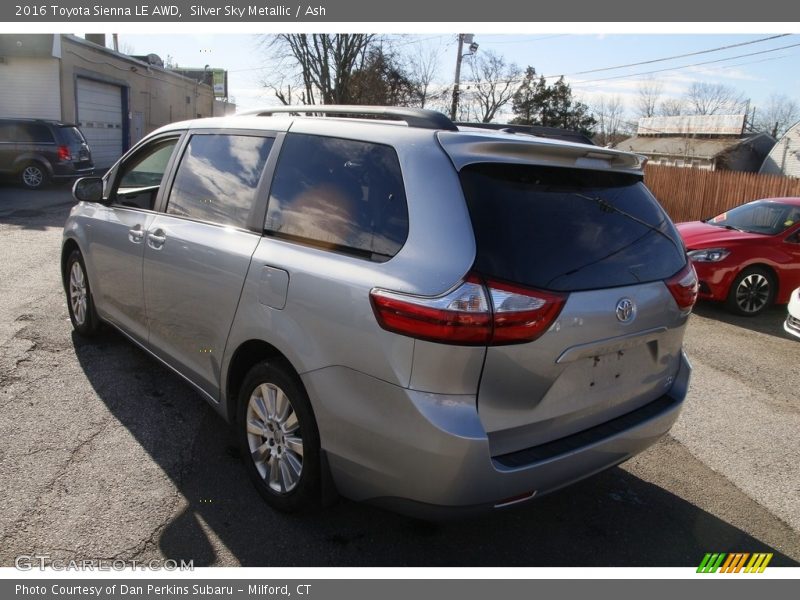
(461, 316)
(522, 314)
(474, 313)
(63, 153)
(684, 287)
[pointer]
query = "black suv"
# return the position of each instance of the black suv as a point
(38, 151)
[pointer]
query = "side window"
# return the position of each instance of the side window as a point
(35, 133)
(341, 195)
(8, 132)
(141, 175)
(218, 177)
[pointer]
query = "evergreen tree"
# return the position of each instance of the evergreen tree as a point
(536, 103)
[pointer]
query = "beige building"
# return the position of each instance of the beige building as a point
(115, 99)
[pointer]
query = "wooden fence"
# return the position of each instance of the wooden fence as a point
(693, 194)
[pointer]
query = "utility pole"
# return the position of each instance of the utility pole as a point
(473, 48)
(459, 57)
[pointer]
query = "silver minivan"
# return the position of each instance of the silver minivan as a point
(392, 308)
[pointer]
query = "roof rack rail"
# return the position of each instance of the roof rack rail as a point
(414, 117)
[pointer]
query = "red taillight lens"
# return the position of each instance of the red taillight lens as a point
(684, 287)
(474, 313)
(63, 153)
(459, 317)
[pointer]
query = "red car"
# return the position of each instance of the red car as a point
(749, 256)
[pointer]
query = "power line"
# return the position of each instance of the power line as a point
(632, 75)
(698, 64)
(655, 60)
(578, 84)
(400, 44)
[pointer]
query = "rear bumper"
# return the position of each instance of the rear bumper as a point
(64, 171)
(427, 454)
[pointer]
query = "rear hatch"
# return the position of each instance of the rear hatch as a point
(597, 239)
(79, 152)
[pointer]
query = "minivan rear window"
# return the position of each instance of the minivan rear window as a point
(568, 229)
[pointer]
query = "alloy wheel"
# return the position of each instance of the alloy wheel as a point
(274, 438)
(752, 293)
(78, 297)
(32, 176)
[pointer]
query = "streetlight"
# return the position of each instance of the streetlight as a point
(463, 38)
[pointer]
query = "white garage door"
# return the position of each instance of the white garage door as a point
(29, 88)
(100, 120)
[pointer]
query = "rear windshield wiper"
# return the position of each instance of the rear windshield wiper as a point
(607, 207)
(599, 260)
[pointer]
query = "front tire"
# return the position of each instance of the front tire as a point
(752, 292)
(33, 176)
(279, 438)
(79, 297)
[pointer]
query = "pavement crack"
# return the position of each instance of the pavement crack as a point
(179, 479)
(33, 452)
(71, 458)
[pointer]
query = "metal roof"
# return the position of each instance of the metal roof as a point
(687, 147)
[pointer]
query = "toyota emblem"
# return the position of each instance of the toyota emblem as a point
(626, 310)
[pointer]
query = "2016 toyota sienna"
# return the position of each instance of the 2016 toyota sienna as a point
(392, 308)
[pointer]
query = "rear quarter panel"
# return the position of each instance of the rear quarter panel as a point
(327, 319)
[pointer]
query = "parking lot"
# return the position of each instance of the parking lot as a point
(105, 454)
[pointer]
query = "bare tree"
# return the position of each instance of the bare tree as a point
(494, 83)
(777, 115)
(649, 97)
(609, 112)
(321, 63)
(440, 98)
(128, 48)
(423, 67)
(714, 99)
(287, 91)
(672, 107)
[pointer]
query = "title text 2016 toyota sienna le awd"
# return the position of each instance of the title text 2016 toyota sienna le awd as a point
(393, 308)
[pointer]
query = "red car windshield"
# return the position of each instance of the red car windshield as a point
(764, 217)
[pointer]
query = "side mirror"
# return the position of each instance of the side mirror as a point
(88, 189)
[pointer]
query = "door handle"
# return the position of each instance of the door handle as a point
(136, 234)
(156, 239)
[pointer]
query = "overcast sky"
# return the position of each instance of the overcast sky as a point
(757, 69)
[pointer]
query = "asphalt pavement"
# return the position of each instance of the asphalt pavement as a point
(106, 454)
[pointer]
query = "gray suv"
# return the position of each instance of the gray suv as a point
(37, 151)
(392, 308)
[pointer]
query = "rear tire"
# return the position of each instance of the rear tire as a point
(752, 292)
(279, 439)
(79, 297)
(33, 176)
